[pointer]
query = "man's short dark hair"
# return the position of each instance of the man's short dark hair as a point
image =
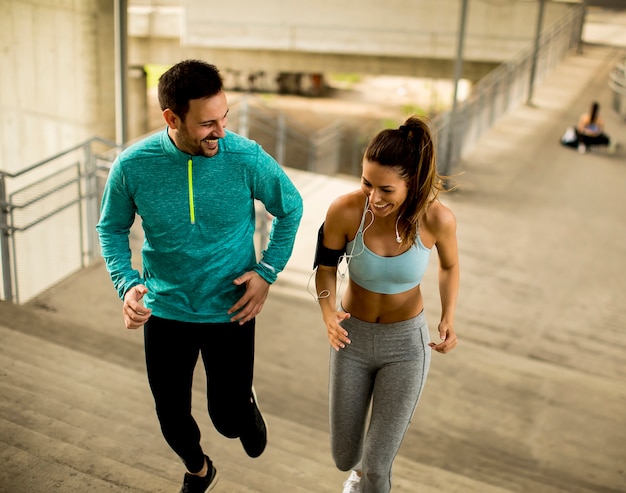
(189, 79)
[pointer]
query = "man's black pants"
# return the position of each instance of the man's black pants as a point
(172, 350)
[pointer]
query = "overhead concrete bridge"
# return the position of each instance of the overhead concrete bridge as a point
(416, 38)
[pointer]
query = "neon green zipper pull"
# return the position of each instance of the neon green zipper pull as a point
(192, 212)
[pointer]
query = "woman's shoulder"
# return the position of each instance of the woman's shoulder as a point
(348, 203)
(439, 218)
(346, 210)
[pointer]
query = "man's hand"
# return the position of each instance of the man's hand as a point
(251, 303)
(135, 315)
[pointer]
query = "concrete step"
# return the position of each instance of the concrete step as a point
(24, 470)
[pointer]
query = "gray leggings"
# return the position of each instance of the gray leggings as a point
(385, 366)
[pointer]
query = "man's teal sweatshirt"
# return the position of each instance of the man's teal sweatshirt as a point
(198, 217)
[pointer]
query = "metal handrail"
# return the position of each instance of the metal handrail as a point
(502, 88)
(53, 182)
(58, 155)
(617, 79)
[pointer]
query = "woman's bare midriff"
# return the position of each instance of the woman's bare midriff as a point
(382, 308)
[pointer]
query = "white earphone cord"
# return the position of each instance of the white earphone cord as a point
(325, 293)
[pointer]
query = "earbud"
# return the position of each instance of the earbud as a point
(398, 239)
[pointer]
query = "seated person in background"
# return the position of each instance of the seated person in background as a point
(590, 130)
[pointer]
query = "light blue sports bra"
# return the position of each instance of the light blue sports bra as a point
(385, 275)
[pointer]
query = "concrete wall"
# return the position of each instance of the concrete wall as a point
(56, 75)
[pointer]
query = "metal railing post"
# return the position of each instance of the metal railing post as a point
(81, 219)
(281, 139)
(449, 159)
(312, 157)
(244, 118)
(5, 250)
(533, 68)
(92, 209)
(581, 26)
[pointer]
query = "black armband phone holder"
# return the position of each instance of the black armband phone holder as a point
(324, 255)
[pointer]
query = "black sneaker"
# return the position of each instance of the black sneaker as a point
(198, 484)
(254, 436)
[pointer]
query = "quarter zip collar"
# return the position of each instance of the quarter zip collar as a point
(171, 150)
(179, 156)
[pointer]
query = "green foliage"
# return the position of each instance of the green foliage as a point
(153, 72)
(388, 123)
(412, 109)
(267, 97)
(344, 80)
(346, 77)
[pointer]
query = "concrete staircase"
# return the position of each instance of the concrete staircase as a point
(72, 420)
(76, 415)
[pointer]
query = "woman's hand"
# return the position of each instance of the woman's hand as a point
(337, 335)
(448, 339)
